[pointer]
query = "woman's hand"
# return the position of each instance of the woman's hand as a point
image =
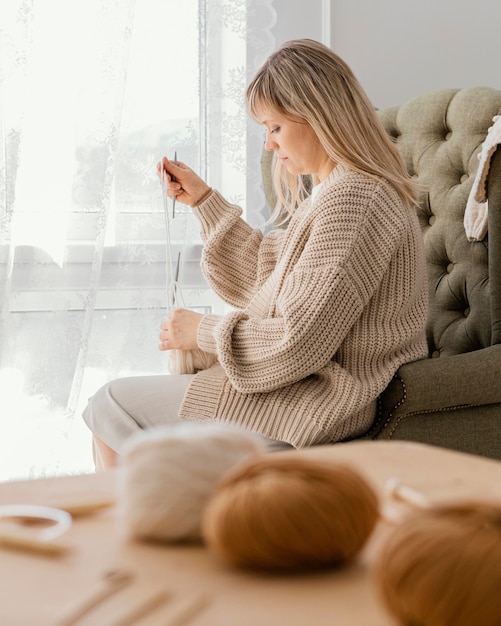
(188, 187)
(179, 331)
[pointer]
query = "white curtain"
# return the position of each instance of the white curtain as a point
(92, 95)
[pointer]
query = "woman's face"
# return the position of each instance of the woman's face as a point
(295, 144)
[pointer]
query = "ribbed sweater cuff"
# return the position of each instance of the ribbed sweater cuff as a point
(211, 210)
(205, 336)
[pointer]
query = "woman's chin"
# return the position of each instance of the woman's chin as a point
(290, 168)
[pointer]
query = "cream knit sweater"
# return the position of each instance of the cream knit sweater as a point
(328, 309)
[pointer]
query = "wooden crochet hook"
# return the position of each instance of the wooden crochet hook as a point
(81, 509)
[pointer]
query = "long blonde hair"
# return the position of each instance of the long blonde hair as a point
(306, 79)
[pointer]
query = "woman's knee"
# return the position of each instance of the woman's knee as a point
(107, 414)
(100, 403)
(125, 405)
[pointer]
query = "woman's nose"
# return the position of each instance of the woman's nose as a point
(270, 144)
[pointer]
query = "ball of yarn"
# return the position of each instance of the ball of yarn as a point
(289, 512)
(168, 474)
(443, 567)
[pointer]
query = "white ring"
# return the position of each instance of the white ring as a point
(61, 518)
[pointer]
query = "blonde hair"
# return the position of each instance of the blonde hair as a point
(443, 566)
(280, 512)
(304, 78)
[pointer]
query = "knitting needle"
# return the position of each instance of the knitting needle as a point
(82, 509)
(176, 278)
(114, 580)
(187, 610)
(163, 608)
(173, 178)
(149, 601)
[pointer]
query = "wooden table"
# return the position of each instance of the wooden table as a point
(38, 590)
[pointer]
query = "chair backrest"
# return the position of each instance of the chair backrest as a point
(439, 136)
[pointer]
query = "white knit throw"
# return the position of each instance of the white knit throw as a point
(476, 213)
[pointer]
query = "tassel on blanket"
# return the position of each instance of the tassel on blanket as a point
(475, 216)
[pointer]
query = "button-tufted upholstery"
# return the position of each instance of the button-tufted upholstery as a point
(439, 135)
(453, 398)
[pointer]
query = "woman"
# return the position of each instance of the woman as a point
(327, 309)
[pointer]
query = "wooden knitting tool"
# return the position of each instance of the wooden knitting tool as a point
(112, 581)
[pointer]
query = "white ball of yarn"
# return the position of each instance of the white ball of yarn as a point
(169, 474)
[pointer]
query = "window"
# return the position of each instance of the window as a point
(92, 94)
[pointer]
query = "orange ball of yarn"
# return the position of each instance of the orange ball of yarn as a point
(443, 567)
(286, 512)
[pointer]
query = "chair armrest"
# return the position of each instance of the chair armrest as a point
(461, 380)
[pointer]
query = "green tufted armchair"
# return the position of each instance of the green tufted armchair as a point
(453, 398)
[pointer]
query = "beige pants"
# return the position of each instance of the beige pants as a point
(122, 407)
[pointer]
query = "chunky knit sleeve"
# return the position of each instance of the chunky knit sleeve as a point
(260, 355)
(236, 258)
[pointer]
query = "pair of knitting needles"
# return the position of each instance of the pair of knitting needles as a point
(148, 605)
(174, 287)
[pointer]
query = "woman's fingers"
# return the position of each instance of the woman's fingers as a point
(164, 340)
(181, 181)
(166, 176)
(180, 330)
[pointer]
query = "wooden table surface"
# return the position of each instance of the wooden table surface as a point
(38, 590)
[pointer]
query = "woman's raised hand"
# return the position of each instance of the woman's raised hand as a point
(182, 182)
(179, 330)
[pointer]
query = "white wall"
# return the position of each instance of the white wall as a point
(399, 49)
(297, 19)
(281, 20)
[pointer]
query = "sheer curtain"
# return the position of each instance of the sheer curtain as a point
(92, 94)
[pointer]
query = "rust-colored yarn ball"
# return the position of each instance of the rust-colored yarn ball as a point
(286, 512)
(442, 567)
